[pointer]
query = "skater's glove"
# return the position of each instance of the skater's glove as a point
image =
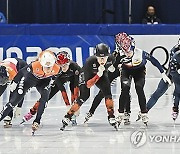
(13, 86)
(165, 78)
(111, 68)
(101, 69)
(17, 112)
(92, 81)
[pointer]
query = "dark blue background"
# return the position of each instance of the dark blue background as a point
(87, 11)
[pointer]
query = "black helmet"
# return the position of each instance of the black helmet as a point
(3, 75)
(102, 50)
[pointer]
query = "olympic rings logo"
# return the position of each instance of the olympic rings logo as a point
(166, 53)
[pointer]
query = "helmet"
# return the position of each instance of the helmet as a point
(119, 37)
(3, 75)
(127, 44)
(47, 58)
(102, 50)
(63, 57)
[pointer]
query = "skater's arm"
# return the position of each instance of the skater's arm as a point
(96, 78)
(153, 60)
(20, 74)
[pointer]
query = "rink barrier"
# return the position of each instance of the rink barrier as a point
(89, 29)
(27, 40)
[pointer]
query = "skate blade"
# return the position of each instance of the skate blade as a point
(138, 118)
(23, 121)
(33, 131)
(116, 127)
(127, 123)
(7, 126)
(118, 124)
(85, 122)
(62, 128)
(146, 123)
(74, 124)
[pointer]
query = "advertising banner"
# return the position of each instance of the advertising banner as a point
(81, 47)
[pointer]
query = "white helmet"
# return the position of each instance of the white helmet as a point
(47, 58)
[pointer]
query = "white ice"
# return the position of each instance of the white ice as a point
(97, 136)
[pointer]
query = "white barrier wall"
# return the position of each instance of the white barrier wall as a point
(148, 42)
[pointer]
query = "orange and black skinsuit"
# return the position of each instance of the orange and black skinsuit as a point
(72, 75)
(13, 66)
(31, 75)
(87, 78)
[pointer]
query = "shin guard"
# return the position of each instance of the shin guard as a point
(110, 107)
(34, 109)
(73, 109)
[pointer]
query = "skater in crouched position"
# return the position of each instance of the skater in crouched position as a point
(133, 66)
(174, 65)
(162, 86)
(70, 73)
(38, 74)
(94, 72)
(112, 75)
(9, 68)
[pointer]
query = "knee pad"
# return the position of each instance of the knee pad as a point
(110, 106)
(125, 86)
(126, 83)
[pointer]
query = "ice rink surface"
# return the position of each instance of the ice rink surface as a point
(161, 135)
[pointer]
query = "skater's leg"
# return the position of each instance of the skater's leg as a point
(104, 85)
(176, 95)
(2, 89)
(84, 95)
(97, 100)
(139, 85)
(161, 89)
(16, 96)
(34, 109)
(124, 98)
(44, 90)
(139, 79)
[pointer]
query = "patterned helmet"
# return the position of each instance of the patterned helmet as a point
(62, 58)
(119, 37)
